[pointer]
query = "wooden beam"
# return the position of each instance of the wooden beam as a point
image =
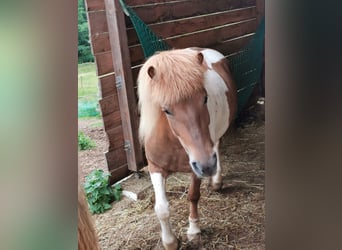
(107, 85)
(109, 104)
(174, 9)
(260, 5)
(115, 138)
(118, 174)
(202, 38)
(111, 120)
(124, 81)
(92, 5)
(196, 23)
(104, 63)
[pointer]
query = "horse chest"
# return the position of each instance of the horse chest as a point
(165, 152)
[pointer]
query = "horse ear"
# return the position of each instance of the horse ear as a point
(151, 71)
(200, 57)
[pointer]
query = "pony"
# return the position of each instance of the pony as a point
(187, 100)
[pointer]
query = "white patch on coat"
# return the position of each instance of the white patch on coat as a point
(217, 179)
(217, 100)
(211, 56)
(193, 227)
(162, 208)
(217, 104)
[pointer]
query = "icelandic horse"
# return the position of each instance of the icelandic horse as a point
(187, 99)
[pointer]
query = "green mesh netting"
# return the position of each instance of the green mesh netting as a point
(88, 109)
(150, 42)
(246, 66)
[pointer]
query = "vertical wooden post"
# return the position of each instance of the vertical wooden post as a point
(124, 81)
(260, 8)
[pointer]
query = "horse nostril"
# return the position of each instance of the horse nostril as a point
(215, 156)
(194, 164)
(196, 167)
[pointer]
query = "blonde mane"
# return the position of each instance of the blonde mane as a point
(176, 75)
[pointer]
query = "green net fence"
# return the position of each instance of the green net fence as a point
(246, 66)
(88, 108)
(150, 42)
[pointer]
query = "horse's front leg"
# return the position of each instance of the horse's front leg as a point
(162, 210)
(216, 180)
(193, 197)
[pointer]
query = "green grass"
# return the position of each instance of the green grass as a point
(87, 90)
(87, 81)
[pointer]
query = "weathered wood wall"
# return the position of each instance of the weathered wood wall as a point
(225, 25)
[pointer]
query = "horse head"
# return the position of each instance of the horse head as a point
(188, 117)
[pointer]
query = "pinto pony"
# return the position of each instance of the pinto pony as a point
(187, 99)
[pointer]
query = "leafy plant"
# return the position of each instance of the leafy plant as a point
(84, 142)
(98, 192)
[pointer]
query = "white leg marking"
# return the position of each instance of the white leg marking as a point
(162, 208)
(217, 178)
(193, 227)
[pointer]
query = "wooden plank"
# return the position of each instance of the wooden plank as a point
(260, 5)
(100, 43)
(135, 72)
(226, 48)
(127, 102)
(187, 25)
(107, 85)
(175, 10)
(118, 174)
(112, 120)
(92, 5)
(115, 138)
(116, 158)
(232, 46)
(204, 38)
(133, 3)
(210, 37)
(109, 104)
(97, 22)
(104, 63)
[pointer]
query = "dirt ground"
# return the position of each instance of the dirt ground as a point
(233, 218)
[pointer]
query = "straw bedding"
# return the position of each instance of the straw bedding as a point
(233, 218)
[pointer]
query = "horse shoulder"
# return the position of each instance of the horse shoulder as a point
(221, 90)
(222, 68)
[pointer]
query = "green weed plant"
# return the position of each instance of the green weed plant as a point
(84, 142)
(98, 192)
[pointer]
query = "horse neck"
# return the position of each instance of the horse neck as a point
(161, 149)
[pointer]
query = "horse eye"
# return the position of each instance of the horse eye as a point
(166, 111)
(205, 99)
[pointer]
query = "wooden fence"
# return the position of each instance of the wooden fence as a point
(225, 25)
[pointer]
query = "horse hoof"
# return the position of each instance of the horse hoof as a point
(172, 246)
(216, 186)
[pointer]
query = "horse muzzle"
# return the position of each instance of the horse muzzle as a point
(205, 169)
